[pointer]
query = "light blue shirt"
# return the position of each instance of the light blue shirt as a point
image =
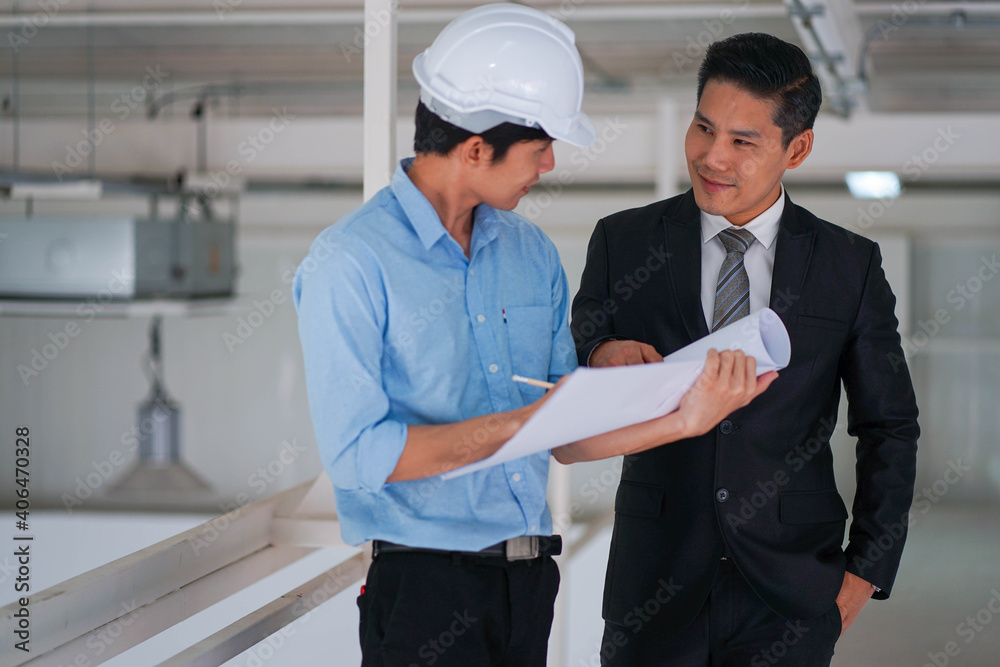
(398, 327)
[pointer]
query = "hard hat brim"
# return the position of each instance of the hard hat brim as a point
(578, 130)
(582, 135)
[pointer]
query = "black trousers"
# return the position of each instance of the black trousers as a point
(734, 628)
(456, 610)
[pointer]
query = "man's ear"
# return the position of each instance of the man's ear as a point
(799, 149)
(475, 152)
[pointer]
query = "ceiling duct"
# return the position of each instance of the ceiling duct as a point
(920, 63)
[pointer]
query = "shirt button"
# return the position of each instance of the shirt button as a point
(480, 318)
(516, 477)
(472, 272)
(494, 368)
(534, 528)
(726, 426)
(722, 495)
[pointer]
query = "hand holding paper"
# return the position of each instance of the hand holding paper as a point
(728, 382)
(599, 400)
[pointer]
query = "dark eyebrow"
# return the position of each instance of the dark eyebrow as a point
(748, 134)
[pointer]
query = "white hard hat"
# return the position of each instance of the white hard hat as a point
(506, 63)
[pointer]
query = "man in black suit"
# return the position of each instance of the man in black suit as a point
(727, 548)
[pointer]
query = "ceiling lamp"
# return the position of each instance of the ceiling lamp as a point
(873, 184)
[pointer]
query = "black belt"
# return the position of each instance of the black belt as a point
(517, 548)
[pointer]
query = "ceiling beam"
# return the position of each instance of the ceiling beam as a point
(886, 9)
(831, 34)
(222, 16)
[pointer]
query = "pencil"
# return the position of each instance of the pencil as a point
(534, 383)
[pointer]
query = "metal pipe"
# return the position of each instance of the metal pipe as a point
(91, 103)
(632, 12)
(16, 101)
(841, 101)
(379, 123)
(562, 517)
(887, 8)
(219, 90)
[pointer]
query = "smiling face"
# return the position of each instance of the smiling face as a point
(502, 184)
(735, 155)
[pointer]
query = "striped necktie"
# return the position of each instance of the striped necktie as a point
(732, 292)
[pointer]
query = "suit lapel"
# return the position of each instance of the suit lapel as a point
(682, 228)
(792, 255)
(791, 262)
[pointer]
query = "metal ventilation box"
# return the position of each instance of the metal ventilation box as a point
(116, 258)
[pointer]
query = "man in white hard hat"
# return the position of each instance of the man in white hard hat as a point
(415, 311)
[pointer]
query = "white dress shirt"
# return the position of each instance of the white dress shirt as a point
(758, 259)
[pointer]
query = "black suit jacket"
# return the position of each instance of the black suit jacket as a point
(761, 483)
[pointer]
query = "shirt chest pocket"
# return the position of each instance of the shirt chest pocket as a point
(529, 340)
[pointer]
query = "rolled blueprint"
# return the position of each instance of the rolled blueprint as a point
(761, 335)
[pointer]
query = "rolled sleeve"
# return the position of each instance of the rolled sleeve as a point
(340, 301)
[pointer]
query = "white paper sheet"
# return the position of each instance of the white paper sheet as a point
(599, 400)
(761, 335)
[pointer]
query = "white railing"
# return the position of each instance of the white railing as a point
(185, 574)
(173, 579)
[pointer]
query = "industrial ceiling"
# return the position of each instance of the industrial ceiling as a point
(901, 57)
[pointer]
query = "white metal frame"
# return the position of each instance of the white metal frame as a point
(144, 593)
(380, 94)
(153, 589)
(185, 574)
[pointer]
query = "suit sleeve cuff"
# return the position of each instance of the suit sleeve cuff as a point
(590, 347)
(868, 569)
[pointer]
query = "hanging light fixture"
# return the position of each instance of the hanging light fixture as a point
(159, 471)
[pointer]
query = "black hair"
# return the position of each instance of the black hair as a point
(436, 135)
(770, 69)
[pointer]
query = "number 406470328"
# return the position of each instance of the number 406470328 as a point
(22, 452)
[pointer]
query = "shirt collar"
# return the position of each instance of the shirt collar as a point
(764, 227)
(415, 205)
(424, 218)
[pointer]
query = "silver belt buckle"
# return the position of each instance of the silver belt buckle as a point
(522, 548)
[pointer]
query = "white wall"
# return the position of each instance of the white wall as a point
(240, 406)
